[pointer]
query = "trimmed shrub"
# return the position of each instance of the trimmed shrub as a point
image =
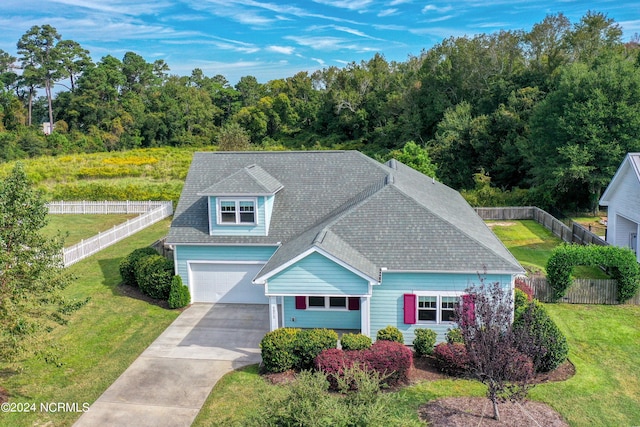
(424, 341)
(537, 336)
(128, 264)
(620, 263)
(278, 350)
(355, 342)
(390, 333)
(520, 300)
(454, 336)
(452, 358)
(154, 274)
(522, 286)
(310, 342)
(179, 294)
(391, 359)
(333, 363)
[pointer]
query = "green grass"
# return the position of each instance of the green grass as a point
(605, 391)
(75, 228)
(532, 245)
(603, 345)
(101, 340)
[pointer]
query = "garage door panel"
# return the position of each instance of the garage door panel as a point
(226, 283)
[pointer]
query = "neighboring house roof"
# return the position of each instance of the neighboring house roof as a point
(631, 161)
(367, 214)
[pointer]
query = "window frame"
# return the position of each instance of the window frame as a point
(238, 213)
(327, 303)
(439, 309)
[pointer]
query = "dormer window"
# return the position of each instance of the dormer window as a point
(236, 211)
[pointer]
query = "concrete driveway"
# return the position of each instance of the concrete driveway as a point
(167, 385)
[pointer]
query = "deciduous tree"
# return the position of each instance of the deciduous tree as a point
(31, 268)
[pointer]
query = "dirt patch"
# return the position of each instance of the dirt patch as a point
(4, 395)
(500, 224)
(280, 377)
(478, 411)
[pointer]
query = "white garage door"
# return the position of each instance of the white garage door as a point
(227, 283)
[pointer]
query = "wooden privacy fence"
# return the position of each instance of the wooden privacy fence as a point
(582, 291)
(574, 234)
(90, 246)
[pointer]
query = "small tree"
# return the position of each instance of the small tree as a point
(484, 319)
(31, 269)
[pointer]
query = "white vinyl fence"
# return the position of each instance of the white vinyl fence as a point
(155, 211)
(103, 207)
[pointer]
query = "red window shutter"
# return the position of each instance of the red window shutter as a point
(468, 310)
(410, 308)
(354, 303)
(301, 303)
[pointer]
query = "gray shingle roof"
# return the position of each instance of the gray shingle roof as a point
(250, 180)
(365, 213)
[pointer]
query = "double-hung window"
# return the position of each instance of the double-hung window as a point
(437, 308)
(236, 211)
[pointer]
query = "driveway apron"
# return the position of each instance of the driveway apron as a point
(168, 383)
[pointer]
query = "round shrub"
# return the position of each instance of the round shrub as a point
(454, 336)
(390, 333)
(537, 336)
(179, 294)
(355, 342)
(520, 300)
(424, 341)
(391, 359)
(334, 361)
(128, 264)
(452, 358)
(310, 342)
(154, 274)
(278, 349)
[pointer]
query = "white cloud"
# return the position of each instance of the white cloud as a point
(432, 8)
(286, 50)
(387, 12)
(319, 61)
(346, 4)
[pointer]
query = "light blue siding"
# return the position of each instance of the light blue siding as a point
(218, 253)
(268, 210)
(332, 319)
(258, 229)
(315, 274)
(387, 301)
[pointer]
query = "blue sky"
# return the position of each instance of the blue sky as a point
(276, 39)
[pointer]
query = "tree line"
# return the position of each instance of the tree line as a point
(538, 117)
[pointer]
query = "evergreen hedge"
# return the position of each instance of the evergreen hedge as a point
(620, 263)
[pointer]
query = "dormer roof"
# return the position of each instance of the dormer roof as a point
(251, 180)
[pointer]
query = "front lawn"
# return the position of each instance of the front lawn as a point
(101, 340)
(605, 391)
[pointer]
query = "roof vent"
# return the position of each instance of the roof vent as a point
(393, 164)
(389, 180)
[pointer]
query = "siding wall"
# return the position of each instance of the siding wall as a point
(258, 229)
(218, 253)
(317, 275)
(387, 302)
(334, 319)
(624, 209)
